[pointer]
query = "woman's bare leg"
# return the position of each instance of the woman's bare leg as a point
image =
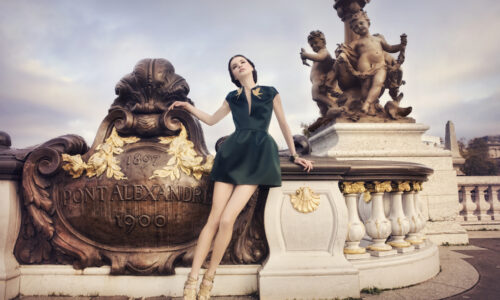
(237, 202)
(221, 195)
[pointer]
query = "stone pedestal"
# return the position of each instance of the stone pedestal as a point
(401, 142)
(306, 259)
(10, 217)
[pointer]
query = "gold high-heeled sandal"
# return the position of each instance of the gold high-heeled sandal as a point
(190, 288)
(205, 287)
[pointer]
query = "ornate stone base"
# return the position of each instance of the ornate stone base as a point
(306, 258)
(64, 280)
(399, 270)
(233, 280)
(9, 288)
(399, 142)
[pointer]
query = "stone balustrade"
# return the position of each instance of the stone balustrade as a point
(363, 218)
(479, 198)
(396, 229)
(345, 222)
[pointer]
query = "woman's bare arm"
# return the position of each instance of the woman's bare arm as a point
(201, 115)
(287, 133)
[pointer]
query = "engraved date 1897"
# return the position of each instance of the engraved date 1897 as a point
(141, 158)
(130, 221)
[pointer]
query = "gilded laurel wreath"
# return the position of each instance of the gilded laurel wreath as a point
(183, 158)
(101, 161)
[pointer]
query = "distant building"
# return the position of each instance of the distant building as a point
(431, 140)
(493, 142)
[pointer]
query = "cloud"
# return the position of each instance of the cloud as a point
(60, 60)
(473, 118)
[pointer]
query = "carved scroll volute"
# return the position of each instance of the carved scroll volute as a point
(38, 227)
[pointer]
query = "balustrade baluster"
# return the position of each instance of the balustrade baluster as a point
(469, 205)
(399, 222)
(482, 205)
(415, 221)
(495, 201)
(420, 215)
(378, 226)
(355, 228)
(461, 204)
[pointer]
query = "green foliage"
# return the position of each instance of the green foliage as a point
(372, 291)
(477, 160)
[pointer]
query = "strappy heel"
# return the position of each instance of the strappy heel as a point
(205, 287)
(190, 288)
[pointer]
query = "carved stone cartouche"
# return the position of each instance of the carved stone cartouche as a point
(139, 197)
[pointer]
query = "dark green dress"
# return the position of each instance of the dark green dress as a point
(250, 154)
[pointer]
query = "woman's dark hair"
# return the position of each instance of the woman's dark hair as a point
(236, 81)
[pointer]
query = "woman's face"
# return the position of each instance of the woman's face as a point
(240, 67)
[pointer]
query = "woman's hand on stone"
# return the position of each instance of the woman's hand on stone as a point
(307, 164)
(180, 104)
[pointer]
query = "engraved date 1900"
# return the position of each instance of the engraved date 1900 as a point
(130, 222)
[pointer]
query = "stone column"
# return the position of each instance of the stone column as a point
(345, 9)
(10, 219)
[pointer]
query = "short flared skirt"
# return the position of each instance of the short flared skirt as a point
(248, 157)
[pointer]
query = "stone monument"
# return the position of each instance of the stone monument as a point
(354, 124)
(450, 143)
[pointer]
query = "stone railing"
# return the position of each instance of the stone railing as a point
(319, 227)
(390, 217)
(386, 195)
(479, 198)
(346, 221)
(384, 210)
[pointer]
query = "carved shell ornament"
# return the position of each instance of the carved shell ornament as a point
(305, 200)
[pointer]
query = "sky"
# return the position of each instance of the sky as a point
(60, 60)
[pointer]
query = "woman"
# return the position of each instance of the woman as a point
(248, 158)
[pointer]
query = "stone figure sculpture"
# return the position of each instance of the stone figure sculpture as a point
(361, 71)
(367, 59)
(322, 73)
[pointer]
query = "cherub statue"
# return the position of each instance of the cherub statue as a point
(322, 71)
(368, 60)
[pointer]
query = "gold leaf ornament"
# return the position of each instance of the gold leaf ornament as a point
(256, 92)
(356, 188)
(381, 187)
(305, 200)
(102, 161)
(403, 186)
(183, 158)
(74, 166)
